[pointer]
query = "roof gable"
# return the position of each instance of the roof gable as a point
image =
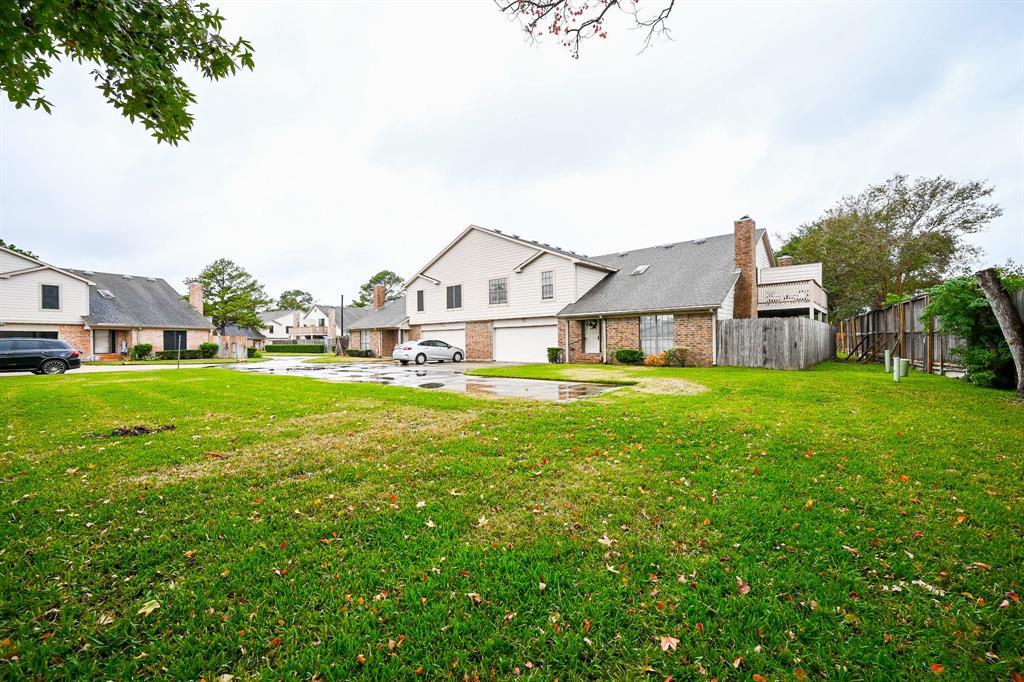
(34, 265)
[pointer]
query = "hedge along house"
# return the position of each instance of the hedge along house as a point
(505, 298)
(383, 328)
(95, 311)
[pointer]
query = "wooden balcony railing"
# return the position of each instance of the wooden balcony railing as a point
(783, 295)
(308, 331)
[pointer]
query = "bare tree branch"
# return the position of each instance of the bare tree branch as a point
(572, 21)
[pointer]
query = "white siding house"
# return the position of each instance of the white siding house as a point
(23, 282)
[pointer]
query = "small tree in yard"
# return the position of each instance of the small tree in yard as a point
(963, 308)
(231, 295)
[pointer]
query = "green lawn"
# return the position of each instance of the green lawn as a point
(812, 525)
(190, 361)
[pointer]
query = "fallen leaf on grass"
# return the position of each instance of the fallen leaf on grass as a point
(742, 586)
(149, 607)
(668, 643)
(757, 677)
(937, 668)
(105, 619)
(475, 597)
(605, 540)
(360, 659)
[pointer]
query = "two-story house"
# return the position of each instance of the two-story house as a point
(505, 298)
(96, 312)
(319, 323)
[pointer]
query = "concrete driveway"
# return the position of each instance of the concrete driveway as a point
(441, 376)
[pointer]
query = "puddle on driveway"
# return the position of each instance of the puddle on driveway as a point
(435, 376)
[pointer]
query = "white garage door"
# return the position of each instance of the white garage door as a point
(452, 336)
(524, 344)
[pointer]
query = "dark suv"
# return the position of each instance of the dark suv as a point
(39, 356)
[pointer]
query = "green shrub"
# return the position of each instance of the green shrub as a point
(140, 351)
(676, 356)
(554, 355)
(187, 354)
(294, 348)
(251, 352)
(962, 310)
(356, 353)
(629, 356)
(208, 350)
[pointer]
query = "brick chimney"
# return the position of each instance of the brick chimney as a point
(785, 261)
(745, 302)
(195, 296)
(378, 297)
(295, 319)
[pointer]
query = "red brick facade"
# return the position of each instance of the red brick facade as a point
(745, 302)
(695, 332)
(480, 340)
(77, 337)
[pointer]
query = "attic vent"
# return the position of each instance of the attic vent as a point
(105, 293)
(668, 246)
(498, 231)
(151, 279)
(126, 276)
(640, 269)
(90, 273)
(699, 241)
(623, 254)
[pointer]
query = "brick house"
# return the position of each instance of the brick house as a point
(96, 311)
(383, 327)
(504, 298)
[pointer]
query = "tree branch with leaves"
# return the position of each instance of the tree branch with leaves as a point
(231, 295)
(573, 21)
(136, 48)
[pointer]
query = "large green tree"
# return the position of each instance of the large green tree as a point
(295, 299)
(136, 48)
(392, 288)
(231, 295)
(893, 239)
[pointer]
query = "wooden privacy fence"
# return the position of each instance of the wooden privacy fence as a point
(899, 328)
(775, 342)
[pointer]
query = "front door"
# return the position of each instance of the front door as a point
(591, 336)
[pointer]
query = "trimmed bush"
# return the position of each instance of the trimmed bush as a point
(250, 352)
(294, 348)
(208, 350)
(140, 351)
(629, 356)
(356, 353)
(554, 355)
(187, 354)
(676, 356)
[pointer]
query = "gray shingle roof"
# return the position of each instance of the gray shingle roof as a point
(691, 274)
(235, 330)
(270, 315)
(138, 301)
(352, 313)
(391, 316)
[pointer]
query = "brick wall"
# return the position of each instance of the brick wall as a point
(694, 331)
(77, 337)
(623, 332)
(745, 302)
(575, 330)
(382, 342)
(193, 337)
(480, 340)
(414, 333)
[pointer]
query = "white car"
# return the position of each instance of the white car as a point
(427, 350)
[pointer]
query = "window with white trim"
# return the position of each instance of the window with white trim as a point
(50, 296)
(497, 291)
(454, 296)
(547, 284)
(364, 339)
(419, 300)
(657, 333)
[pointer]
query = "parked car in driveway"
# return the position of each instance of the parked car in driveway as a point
(39, 356)
(427, 350)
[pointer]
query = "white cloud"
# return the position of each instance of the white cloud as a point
(370, 134)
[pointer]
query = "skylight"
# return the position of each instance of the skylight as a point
(640, 269)
(106, 293)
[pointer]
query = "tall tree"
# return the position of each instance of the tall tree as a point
(895, 238)
(295, 299)
(392, 288)
(1007, 316)
(573, 21)
(136, 47)
(14, 248)
(231, 295)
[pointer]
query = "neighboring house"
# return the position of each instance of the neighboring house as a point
(316, 324)
(244, 336)
(383, 327)
(96, 311)
(505, 298)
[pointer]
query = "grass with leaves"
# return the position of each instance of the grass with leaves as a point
(825, 524)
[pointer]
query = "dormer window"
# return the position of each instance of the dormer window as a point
(640, 269)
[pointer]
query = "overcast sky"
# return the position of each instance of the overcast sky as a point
(370, 134)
